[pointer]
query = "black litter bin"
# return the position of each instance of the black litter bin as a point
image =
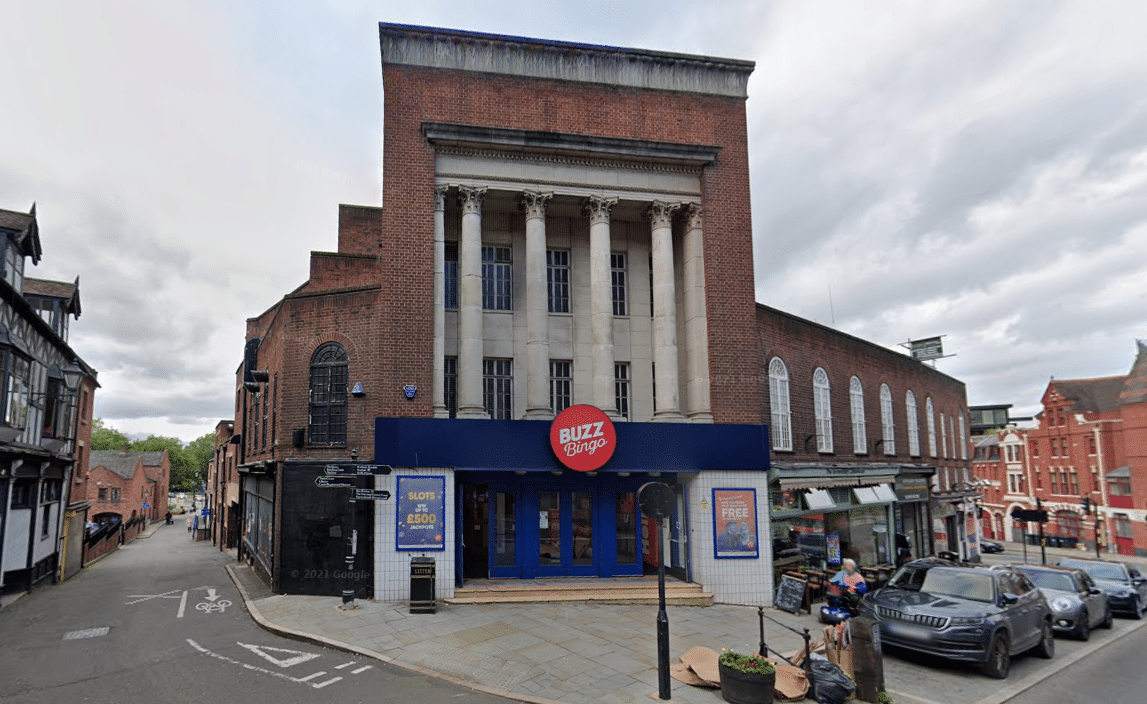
(422, 578)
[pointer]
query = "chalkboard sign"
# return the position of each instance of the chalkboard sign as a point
(790, 594)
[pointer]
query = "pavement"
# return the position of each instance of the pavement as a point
(602, 654)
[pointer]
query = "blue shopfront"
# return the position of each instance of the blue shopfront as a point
(520, 514)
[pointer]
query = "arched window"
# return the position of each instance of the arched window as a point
(779, 403)
(887, 423)
(328, 395)
(913, 424)
(856, 403)
(930, 417)
(822, 407)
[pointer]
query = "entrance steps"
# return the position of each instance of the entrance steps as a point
(618, 590)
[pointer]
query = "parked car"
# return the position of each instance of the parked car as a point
(991, 546)
(971, 614)
(1077, 605)
(1125, 587)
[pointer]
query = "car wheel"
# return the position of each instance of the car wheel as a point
(1083, 629)
(1138, 609)
(1108, 620)
(999, 660)
(1046, 647)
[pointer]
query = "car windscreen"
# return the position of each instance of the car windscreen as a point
(1051, 580)
(908, 577)
(1100, 570)
(959, 583)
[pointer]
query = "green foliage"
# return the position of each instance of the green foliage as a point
(883, 698)
(749, 664)
(105, 438)
(188, 463)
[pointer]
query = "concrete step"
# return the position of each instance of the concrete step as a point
(604, 591)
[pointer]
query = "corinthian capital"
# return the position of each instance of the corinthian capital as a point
(693, 216)
(534, 204)
(470, 198)
(598, 208)
(661, 213)
(440, 198)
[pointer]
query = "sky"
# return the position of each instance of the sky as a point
(976, 170)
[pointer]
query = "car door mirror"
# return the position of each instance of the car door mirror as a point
(1009, 599)
(1095, 591)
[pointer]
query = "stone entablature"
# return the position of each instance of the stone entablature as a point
(563, 61)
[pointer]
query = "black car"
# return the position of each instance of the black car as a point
(1076, 603)
(1125, 587)
(974, 614)
(991, 546)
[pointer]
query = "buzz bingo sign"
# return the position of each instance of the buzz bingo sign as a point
(583, 438)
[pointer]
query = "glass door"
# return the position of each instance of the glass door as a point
(566, 542)
(503, 548)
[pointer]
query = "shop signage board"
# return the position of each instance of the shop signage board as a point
(735, 523)
(583, 438)
(790, 594)
(420, 513)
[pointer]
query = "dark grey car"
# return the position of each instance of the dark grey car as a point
(1077, 604)
(973, 614)
(1125, 587)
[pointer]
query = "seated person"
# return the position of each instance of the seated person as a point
(849, 577)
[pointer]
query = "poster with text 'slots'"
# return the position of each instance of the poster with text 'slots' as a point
(420, 513)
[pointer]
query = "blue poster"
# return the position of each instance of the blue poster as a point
(420, 513)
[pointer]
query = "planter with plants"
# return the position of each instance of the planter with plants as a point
(746, 679)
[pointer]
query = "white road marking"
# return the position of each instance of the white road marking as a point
(364, 668)
(182, 606)
(344, 665)
(320, 673)
(87, 633)
(299, 656)
(211, 594)
(210, 607)
(320, 685)
(147, 597)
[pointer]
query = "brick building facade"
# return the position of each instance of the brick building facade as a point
(1090, 446)
(564, 227)
(120, 486)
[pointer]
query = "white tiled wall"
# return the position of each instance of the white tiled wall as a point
(392, 567)
(746, 582)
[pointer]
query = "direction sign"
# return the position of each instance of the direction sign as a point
(332, 483)
(371, 494)
(1020, 514)
(362, 470)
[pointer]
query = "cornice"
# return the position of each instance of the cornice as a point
(564, 61)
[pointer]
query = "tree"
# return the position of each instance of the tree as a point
(105, 438)
(199, 452)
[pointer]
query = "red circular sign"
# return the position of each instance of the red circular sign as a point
(583, 438)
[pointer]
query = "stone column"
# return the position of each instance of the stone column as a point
(470, 304)
(601, 304)
(697, 406)
(537, 307)
(439, 385)
(664, 313)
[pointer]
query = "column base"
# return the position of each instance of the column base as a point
(701, 417)
(473, 412)
(539, 414)
(668, 417)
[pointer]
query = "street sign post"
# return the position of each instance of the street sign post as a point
(334, 483)
(361, 470)
(372, 494)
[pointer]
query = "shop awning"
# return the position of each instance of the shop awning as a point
(819, 499)
(818, 482)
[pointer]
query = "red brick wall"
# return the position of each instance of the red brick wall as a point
(133, 492)
(803, 346)
(415, 95)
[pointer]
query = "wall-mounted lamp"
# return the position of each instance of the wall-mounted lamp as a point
(358, 390)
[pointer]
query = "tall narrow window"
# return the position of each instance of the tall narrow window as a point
(913, 424)
(274, 408)
(450, 385)
(498, 388)
(617, 277)
(328, 395)
(263, 425)
(856, 403)
(963, 438)
(822, 408)
(497, 279)
(779, 404)
(16, 397)
(621, 389)
(560, 381)
(943, 438)
(930, 418)
(887, 420)
(558, 280)
(450, 278)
